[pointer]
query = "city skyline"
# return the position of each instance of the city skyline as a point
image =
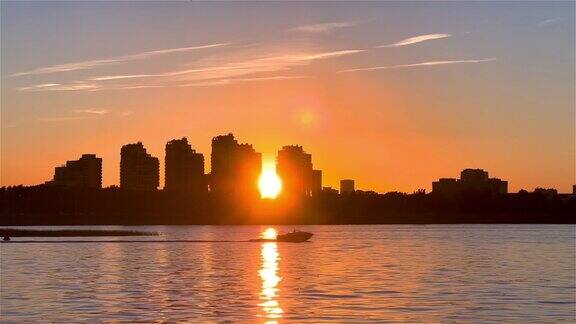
(288, 161)
(240, 170)
(389, 104)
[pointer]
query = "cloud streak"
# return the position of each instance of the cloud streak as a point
(322, 28)
(416, 40)
(217, 71)
(85, 65)
(119, 77)
(242, 80)
(91, 111)
(72, 86)
(421, 64)
(63, 118)
(549, 22)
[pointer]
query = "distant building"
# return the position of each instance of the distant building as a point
(235, 168)
(477, 181)
(346, 186)
(548, 193)
(294, 167)
(329, 191)
(472, 181)
(184, 168)
(473, 176)
(138, 169)
(83, 173)
(446, 187)
(316, 182)
(365, 193)
(498, 187)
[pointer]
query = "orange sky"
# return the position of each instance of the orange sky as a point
(391, 105)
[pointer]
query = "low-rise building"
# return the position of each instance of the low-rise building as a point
(472, 181)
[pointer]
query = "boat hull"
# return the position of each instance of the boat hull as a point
(293, 237)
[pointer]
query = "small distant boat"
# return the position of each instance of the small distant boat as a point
(293, 237)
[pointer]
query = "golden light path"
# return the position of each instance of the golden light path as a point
(270, 279)
(269, 183)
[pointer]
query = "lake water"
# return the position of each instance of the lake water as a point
(437, 273)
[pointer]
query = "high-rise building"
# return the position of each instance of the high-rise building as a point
(138, 169)
(184, 168)
(83, 173)
(316, 182)
(235, 168)
(294, 167)
(346, 186)
(250, 167)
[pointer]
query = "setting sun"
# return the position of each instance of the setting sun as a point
(269, 183)
(269, 234)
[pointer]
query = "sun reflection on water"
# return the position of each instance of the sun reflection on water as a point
(270, 279)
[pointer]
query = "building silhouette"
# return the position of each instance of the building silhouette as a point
(294, 167)
(138, 169)
(346, 186)
(446, 187)
(235, 168)
(329, 191)
(184, 168)
(472, 181)
(548, 193)
(316, 182)
(83, 173)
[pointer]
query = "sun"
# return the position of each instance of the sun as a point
(270, 233)
(269, 183)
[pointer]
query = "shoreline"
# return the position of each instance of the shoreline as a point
(9, 232)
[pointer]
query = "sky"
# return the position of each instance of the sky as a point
(392, 94)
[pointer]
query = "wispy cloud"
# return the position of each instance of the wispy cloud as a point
(121, 59)
(39, 86)
(91, 111)
(322, 28)
(118, 77)
(130, 87)
(72, 86)
(549, 22)
(416, 40)
(252, 65)
(272, 78)
(241, 80)
(318, 56)
(431, 63)
(215, 71)
(63, 118)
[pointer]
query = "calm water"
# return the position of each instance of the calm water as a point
(472, 273)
